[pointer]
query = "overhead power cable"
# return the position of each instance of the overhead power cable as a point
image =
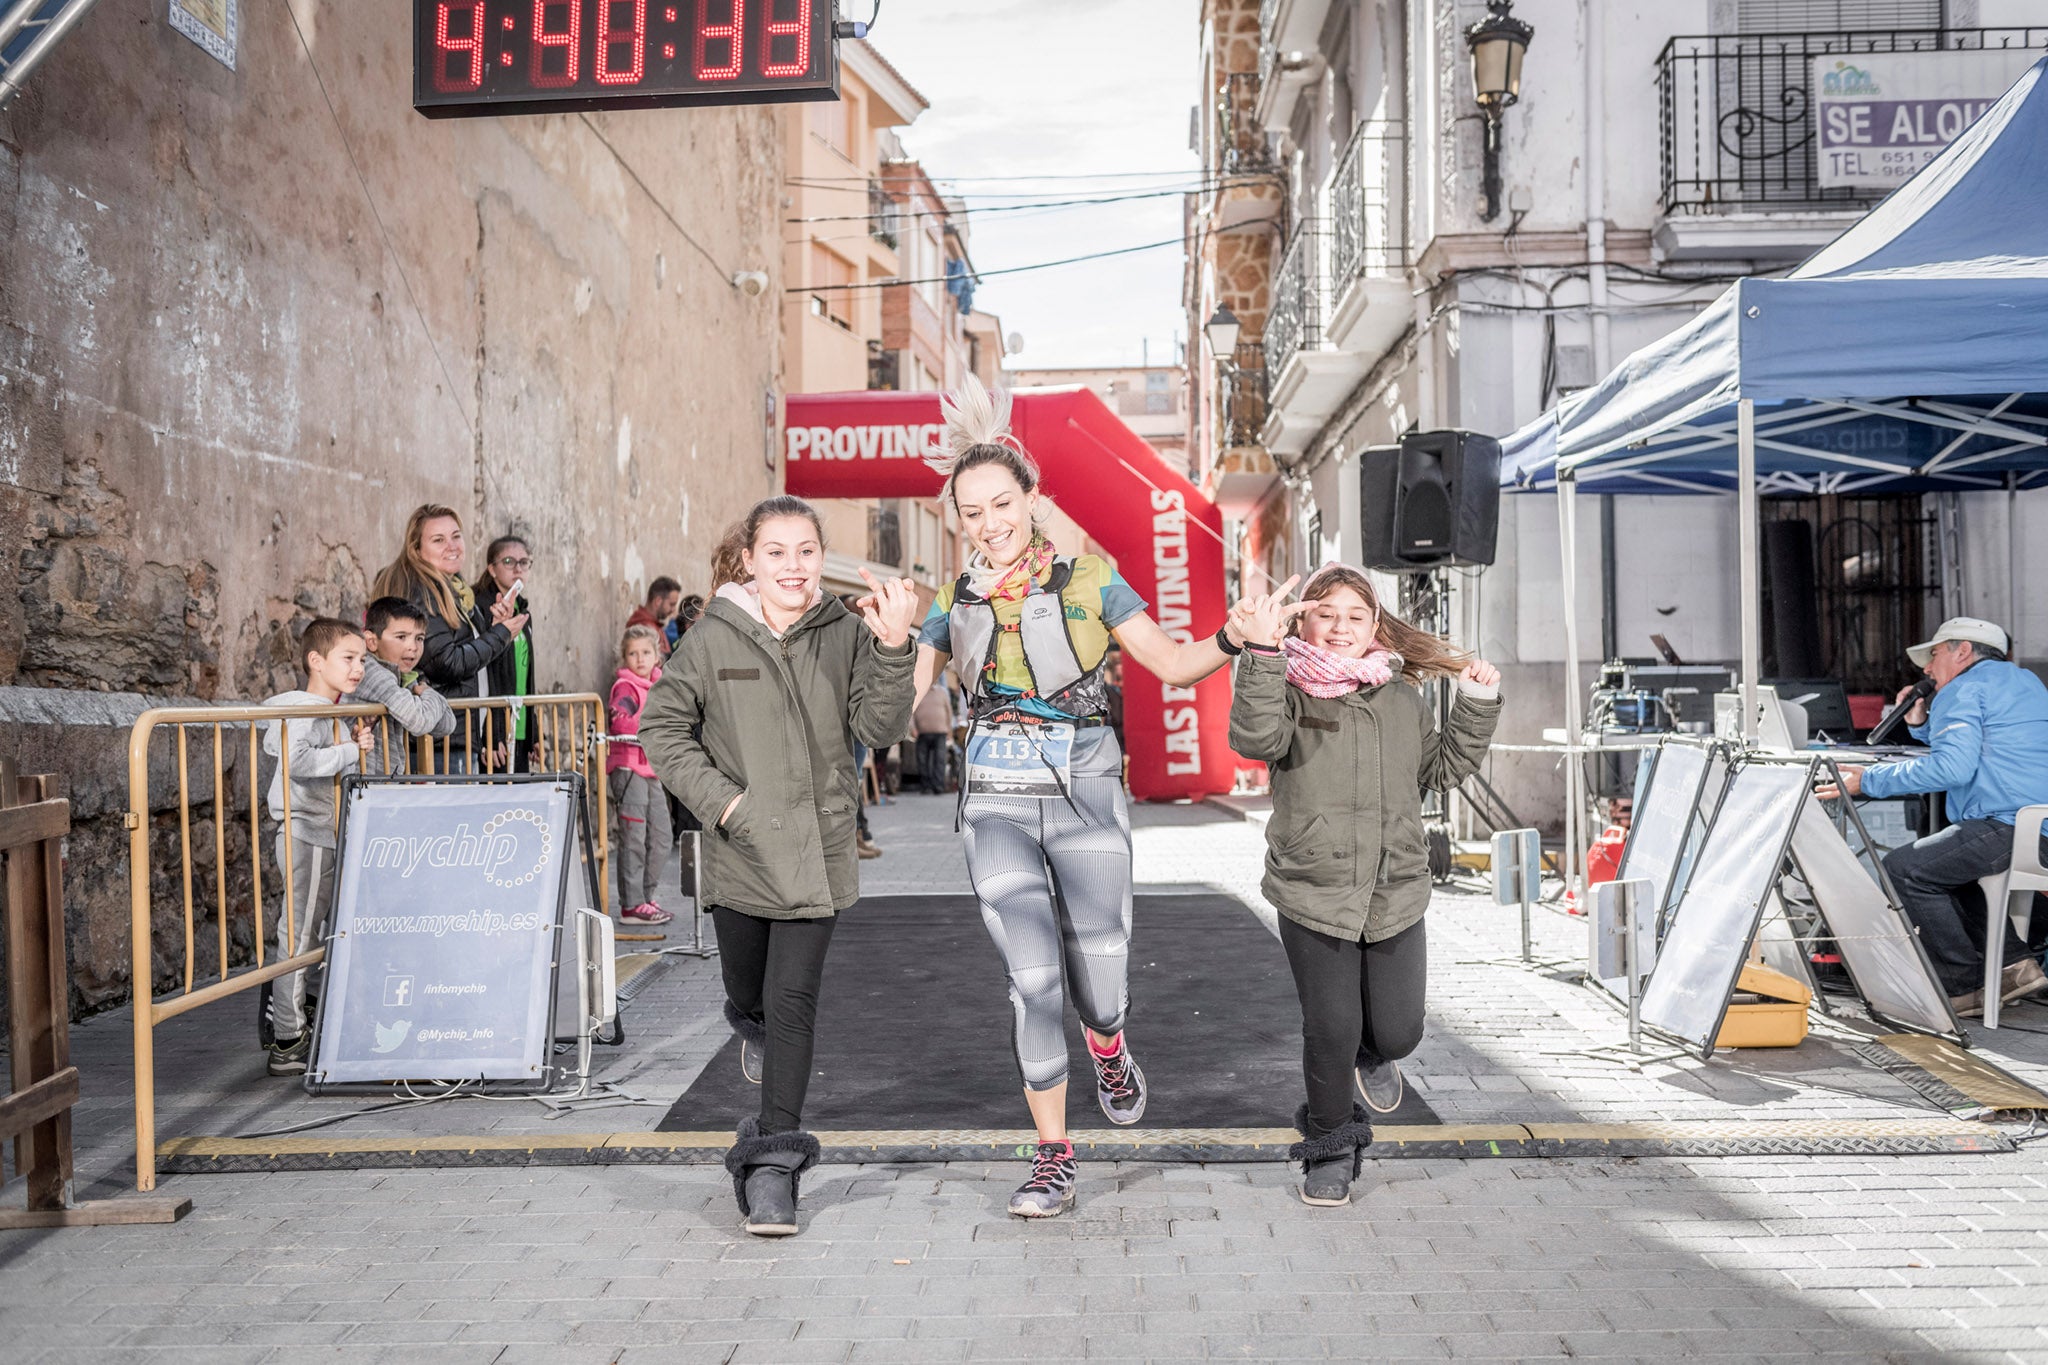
(996, 208)
(1019, 269)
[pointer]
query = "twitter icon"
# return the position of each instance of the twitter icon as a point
(391, 1036)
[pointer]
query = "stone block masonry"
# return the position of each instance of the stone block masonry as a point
(251, 317)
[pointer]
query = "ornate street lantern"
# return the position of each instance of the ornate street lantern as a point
(1497, 43)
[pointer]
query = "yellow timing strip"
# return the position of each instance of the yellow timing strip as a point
(1967, 1072)
(1105, 1142)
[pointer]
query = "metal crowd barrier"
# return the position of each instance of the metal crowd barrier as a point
(568, 735)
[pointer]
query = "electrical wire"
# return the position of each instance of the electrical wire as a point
(1014, 269)
(654, 198)
(900, 215)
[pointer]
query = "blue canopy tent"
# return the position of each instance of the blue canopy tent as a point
(1911, 353)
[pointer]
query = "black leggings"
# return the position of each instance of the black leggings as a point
(772, 969)
(1353, 995)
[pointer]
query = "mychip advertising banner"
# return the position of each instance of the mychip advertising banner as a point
(1881, 116)
(441, 960)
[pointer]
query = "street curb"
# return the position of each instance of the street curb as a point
(1709, 1138)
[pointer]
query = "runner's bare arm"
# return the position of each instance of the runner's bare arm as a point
(1171, 661)
(930, 663)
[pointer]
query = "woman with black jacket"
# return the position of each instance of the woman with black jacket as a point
(463, 639)
(506, 565)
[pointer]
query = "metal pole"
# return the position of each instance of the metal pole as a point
(1574, 772)
(1746, 550)
(1527, 892)
(1627, 892)
(2012, 563)
(32, 56)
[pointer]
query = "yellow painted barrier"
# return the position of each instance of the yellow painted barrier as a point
(568, 734)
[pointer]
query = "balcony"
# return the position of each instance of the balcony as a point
(884, 215)
(1287, 29)
(1741, 175)
(1370, 305)
(1244, 472)
(1310, 377)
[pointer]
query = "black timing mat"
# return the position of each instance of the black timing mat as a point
(914, 1028)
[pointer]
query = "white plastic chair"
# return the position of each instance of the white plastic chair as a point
(2026, 876)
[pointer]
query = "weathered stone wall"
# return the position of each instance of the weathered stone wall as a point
(250, 318)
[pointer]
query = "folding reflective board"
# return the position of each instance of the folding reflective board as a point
(1722, 899)
(1685, 778)
(1883, 956)
(442, 945)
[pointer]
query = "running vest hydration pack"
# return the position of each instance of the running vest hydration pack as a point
(1056, 641)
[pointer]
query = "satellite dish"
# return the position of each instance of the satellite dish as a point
(1014, 343)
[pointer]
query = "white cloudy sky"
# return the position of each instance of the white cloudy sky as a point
(1059, 89)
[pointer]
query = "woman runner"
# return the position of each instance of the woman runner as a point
(752, 726)
(1332, 703)
(1047, 834)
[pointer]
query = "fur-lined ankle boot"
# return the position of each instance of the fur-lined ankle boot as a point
(1330, 1163)
(765, 1170)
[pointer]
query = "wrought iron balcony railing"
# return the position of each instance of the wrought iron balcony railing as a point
(1294, 321)
(884, 215)
(1242, 415)
(1367, 225)
(1736, 117)
(1241, 143)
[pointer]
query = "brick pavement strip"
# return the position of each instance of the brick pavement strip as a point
(1602, 1257)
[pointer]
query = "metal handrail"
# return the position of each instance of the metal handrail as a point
(1295, 319)
(1366, 221)
(568, 732)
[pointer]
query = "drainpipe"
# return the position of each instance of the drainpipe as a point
(1593, 51)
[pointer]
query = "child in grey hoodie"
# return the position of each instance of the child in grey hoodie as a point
(333, 652)
(397, 635)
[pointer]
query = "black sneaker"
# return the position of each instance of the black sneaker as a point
(1050, 1190)
(1379, 1082)
(750, 1060)
(290, 1058)
(1119, 1085)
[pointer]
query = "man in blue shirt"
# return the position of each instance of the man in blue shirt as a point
(1987, 732)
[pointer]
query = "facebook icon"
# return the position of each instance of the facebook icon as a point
(398, 990)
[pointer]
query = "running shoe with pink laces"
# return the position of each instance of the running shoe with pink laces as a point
(1119, 1085)
(1050, 1190)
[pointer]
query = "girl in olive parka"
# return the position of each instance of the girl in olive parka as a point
(752, 726)
(1327, 696)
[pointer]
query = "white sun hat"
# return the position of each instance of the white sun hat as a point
(1961, 628)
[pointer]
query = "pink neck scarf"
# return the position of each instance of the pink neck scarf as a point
(1320, 673)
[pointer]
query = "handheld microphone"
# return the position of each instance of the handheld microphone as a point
(1896, 721)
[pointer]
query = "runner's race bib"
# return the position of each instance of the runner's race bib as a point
(1011, 759)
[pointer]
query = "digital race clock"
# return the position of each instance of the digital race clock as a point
(478, 57)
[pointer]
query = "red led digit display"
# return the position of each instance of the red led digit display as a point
(488, 57)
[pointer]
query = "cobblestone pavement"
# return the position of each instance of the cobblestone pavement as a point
(1907, 1258)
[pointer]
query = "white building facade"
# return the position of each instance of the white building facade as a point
(1658, 149)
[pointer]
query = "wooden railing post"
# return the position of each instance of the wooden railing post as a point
(37, 1113)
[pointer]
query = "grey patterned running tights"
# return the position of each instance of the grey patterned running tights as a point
(1055, 889)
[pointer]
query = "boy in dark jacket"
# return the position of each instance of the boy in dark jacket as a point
(397, 635)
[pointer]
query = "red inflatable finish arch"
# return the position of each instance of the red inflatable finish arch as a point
(1167, 540)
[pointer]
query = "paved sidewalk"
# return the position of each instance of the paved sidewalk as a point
(1866, 1258)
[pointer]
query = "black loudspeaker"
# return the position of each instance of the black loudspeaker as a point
(1431, 502)
(1794, 599)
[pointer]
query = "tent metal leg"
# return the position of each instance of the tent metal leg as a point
(1574, 768)
(1746, 542)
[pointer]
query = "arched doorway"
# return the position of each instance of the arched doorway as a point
(1167, 540)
